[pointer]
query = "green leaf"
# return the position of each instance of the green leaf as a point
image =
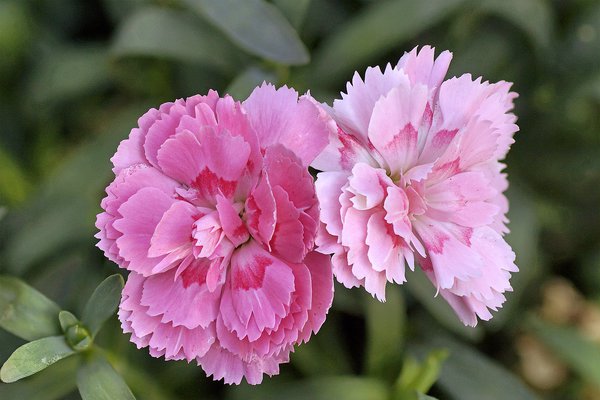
(419, 286)
(421, 396)
(25, 312)
(294, 10)
(421, 377)
(97, 380)
(255, 26)
(35, 356)
(385, 334)
(469, 375)
(244, 83)
(335, 387)
(53, 383)
(534, 17)
(103, 303)
(580, 353)
(164, 33)
(382, 26)
(67, 320)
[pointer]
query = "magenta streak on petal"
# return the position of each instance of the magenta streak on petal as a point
(250, 276)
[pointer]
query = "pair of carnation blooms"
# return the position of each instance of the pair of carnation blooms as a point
(228, 239)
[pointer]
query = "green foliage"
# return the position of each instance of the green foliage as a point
(103, 303)
(255, 26)
(25, 312)
(34, 357)
(97, 380)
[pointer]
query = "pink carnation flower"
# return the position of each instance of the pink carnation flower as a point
(215, 214)
(413, 172)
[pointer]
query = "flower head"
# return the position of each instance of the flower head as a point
(413, 172)
(215, 214)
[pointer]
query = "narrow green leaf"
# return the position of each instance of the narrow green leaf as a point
(164, 33)
(419, 286)
(580, 353)
(256, 26)
(421, 396)
(327, 388)
(67, 320)
(25, 312)
(97, 380)
(294, 10)
(421, 377)
(470, 375)
(35, 356)
(103, 303)
(244, 83)
(385, 334)
(534, 17)
(382, 26)
(53, 383)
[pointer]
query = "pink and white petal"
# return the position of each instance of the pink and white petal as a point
(167, 123)
(285, 170)
(321, 275)
(259, 292)
(130, 151)
(178, 343)
(232, 224)
(343, 271)
(328, 188)
(394, 125)
(421, 67)
(450, 250)
(368, 185)
(140, 216)
(397, 207)
(463, 199)
(353, 112)
(173, 232)
(278, 116)
(342, 152)
(181, 158)
(459, 100)
(184, 300)
(288, 236)
(261, 213)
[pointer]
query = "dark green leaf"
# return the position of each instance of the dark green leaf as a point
(25, 312)
(534, 17)
(244, 83)
(385, 334)
(103, 303)
(255, 26)
(160, 32)
(469, 375)
(384, 25)
(35, 356)
(53, 383)
(419, 286)
(97, 380)
(294, 10)
(335, 387)
(580, 353)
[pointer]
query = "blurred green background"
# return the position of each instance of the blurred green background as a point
(76, 74)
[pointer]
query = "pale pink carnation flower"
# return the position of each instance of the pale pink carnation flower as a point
(413, 171)
(215, 214)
